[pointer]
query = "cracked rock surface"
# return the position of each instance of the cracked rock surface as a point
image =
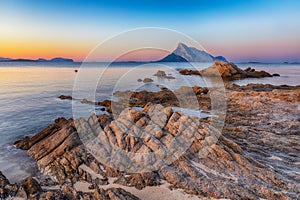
(255, 156)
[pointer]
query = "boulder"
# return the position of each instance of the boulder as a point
(63, 97)
(147, 80)
(162, 74)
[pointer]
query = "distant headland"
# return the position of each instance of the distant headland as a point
(57, 59)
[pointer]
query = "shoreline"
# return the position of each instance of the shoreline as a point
(255, 155)
(236, 133)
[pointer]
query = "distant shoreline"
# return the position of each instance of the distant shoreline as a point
(128, 62)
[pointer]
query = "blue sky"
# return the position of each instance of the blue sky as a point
(240, 30)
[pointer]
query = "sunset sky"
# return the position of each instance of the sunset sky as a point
(261, 30)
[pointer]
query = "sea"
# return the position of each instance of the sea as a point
(29, 95)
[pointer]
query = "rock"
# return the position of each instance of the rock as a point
(63, 97)
(165, 97)
(147, 80)
(256, 156)
(3, 180)
(162, 74)
(106, 103)
(248, 69)
(228, 71)
(27, 142)
(75, 70)
(85, 101)
(104, 120)
(32, 187)
(120, 194)
(139, 80)
(189, 72)
(275, 75)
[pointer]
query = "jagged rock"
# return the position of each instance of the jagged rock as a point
(32, 188)
(236, 165)
(3, 180)
(139, 180)
(185, 97)
(120, 194)
(106, 103)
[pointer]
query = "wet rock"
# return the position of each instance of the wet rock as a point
(85, 101)
(106, 103)
(32, 188)
(189, 72)
(185, 97)
(3, 180)
(147, 80)
(63, 97)
(162, 74)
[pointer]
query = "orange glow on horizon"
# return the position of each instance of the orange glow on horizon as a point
(143, 55)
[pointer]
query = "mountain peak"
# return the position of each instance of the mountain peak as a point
(182, 45)
(192, 54)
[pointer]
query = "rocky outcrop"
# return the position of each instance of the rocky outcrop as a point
(162, 74)
(256, 156)
(184, 97)
(228, 71)
(31, 189)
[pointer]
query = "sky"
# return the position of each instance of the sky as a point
(254, 30)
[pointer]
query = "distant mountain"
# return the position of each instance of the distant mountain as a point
(61, 60)
(38, 60)
(191, 54)
(173, 58)
(4, 59)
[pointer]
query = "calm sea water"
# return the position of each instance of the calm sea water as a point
(29, 91)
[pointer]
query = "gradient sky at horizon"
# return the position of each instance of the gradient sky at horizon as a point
(254, 30)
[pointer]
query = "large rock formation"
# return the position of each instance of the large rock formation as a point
(228, 71)
(257, 156)
(183, 53)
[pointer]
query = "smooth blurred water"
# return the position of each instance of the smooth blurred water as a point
(29, 91)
